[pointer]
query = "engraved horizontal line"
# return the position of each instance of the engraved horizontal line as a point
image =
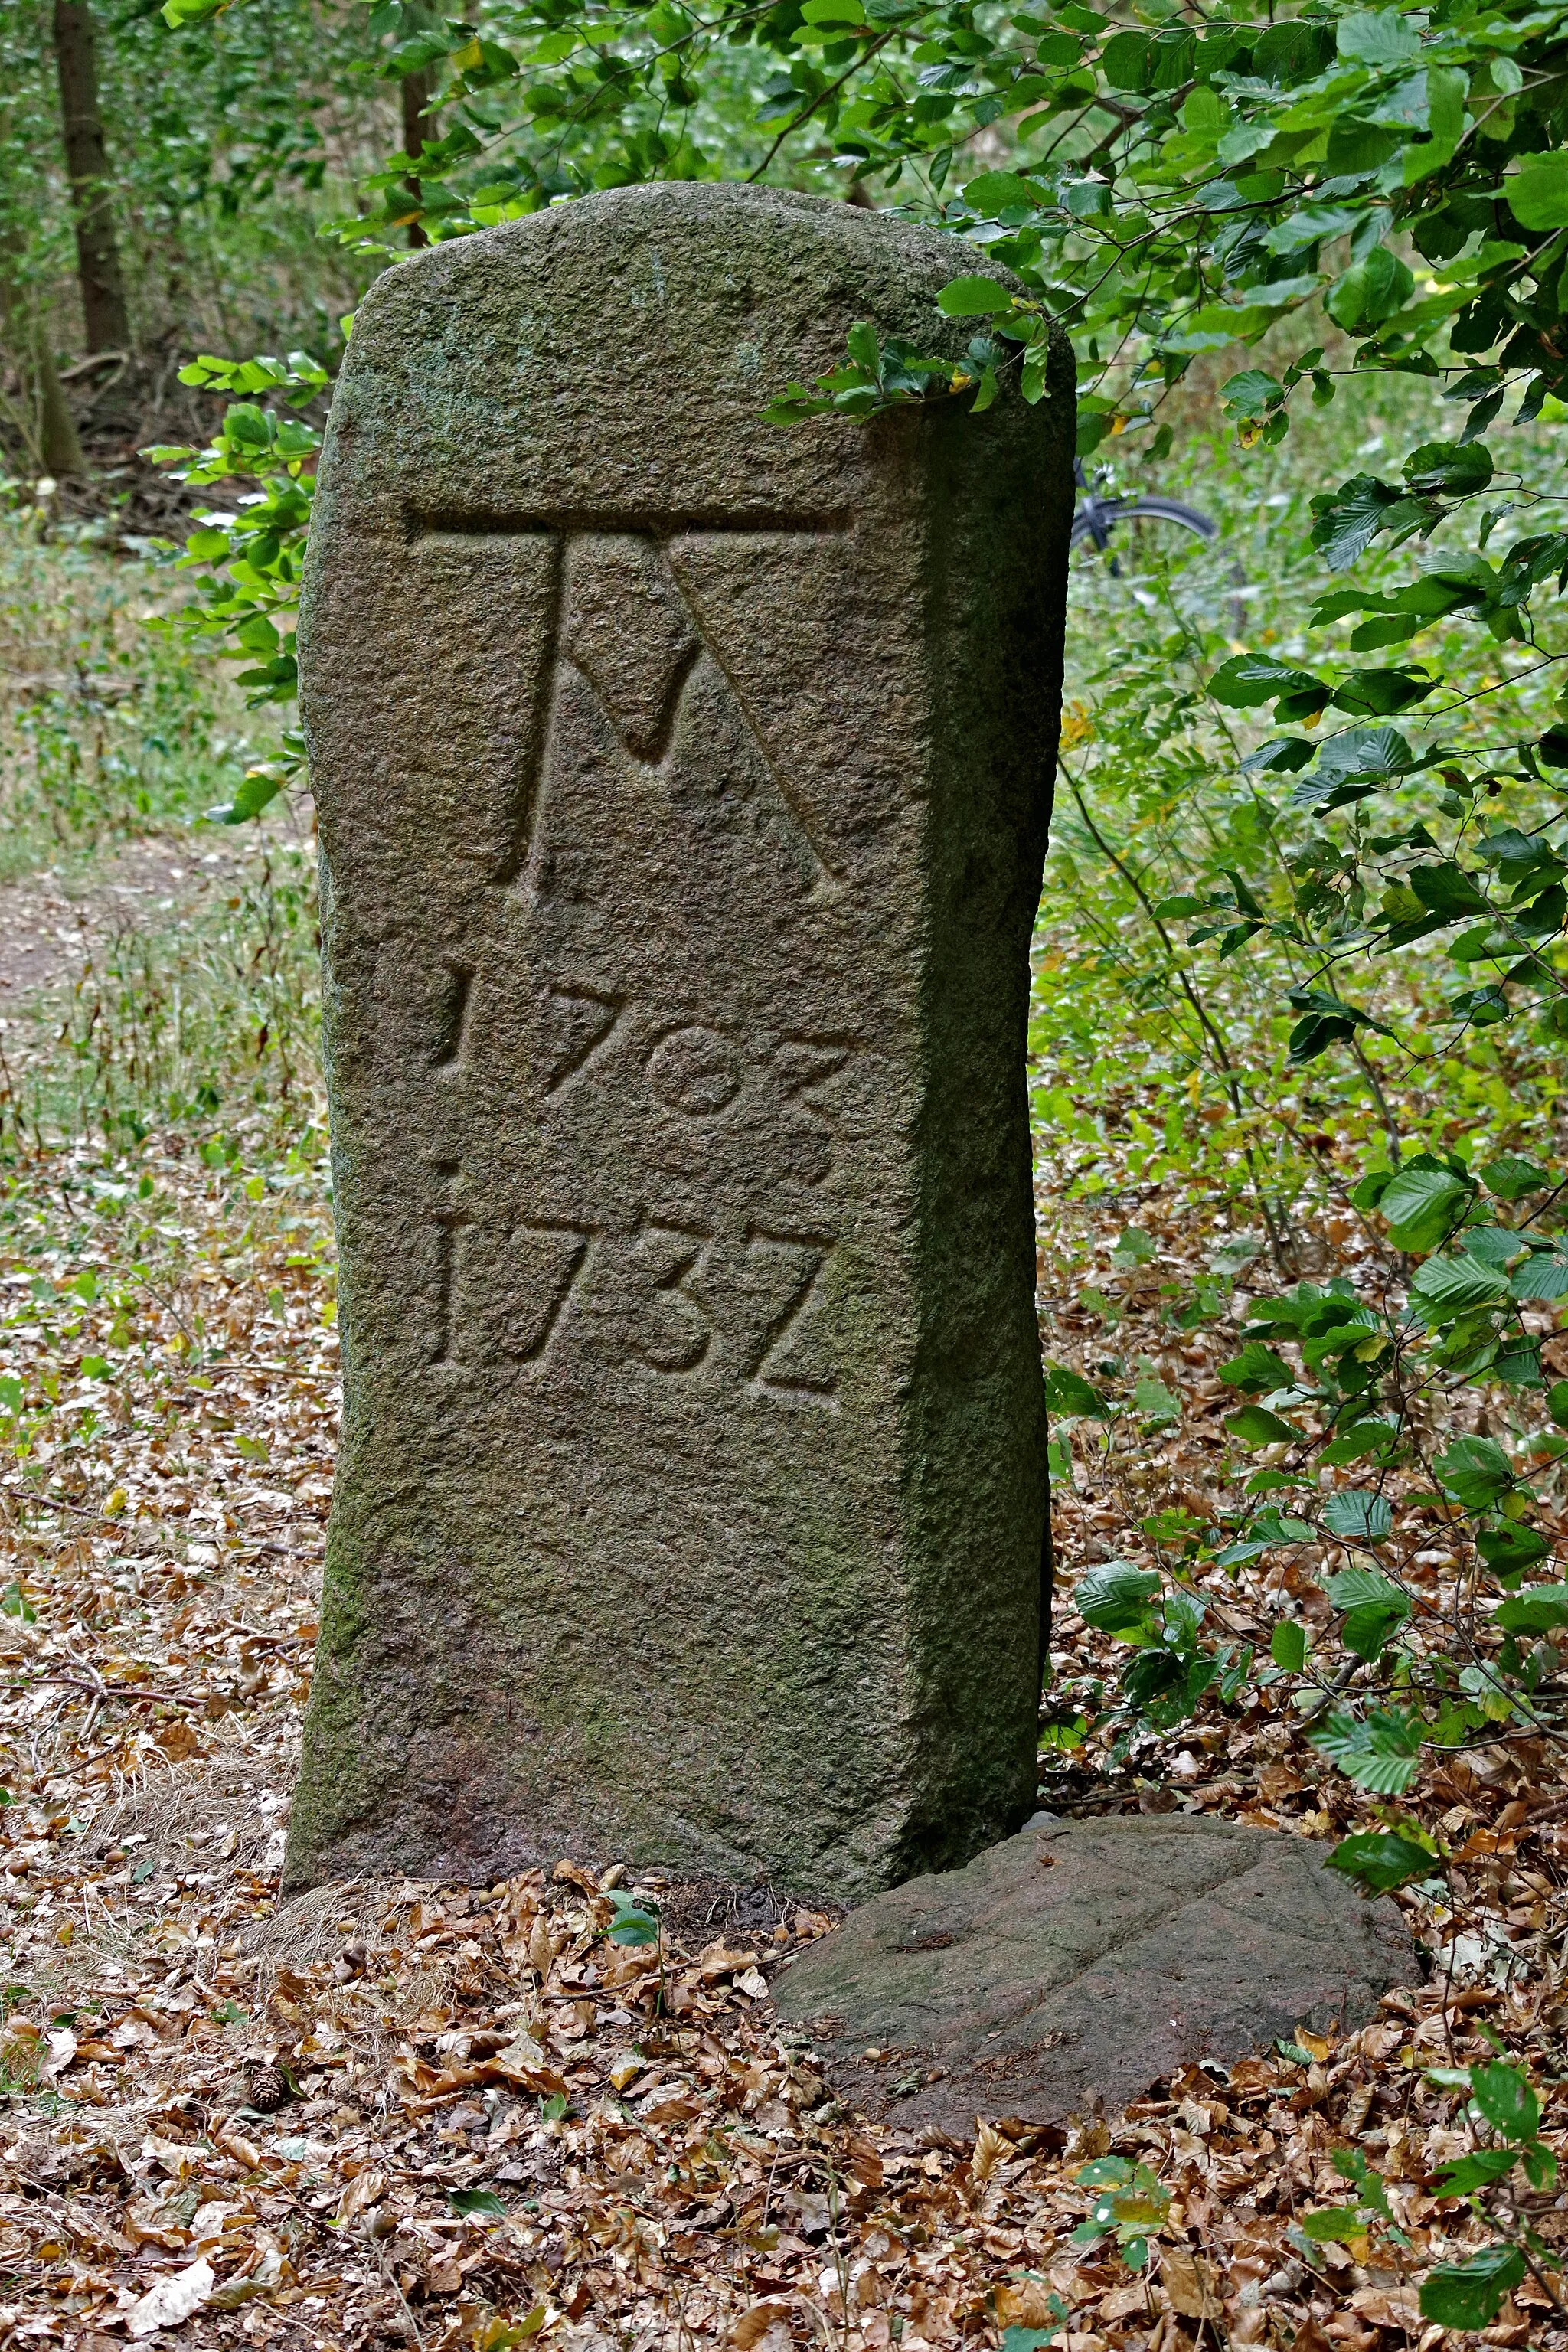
(648, 521)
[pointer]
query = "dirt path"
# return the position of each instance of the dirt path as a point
(49, 924)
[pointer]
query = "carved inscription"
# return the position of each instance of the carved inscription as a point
(787, 1365)
(573, 1023)
(670, 1300)
(671, 1327)
(550, 1259)
(695, 1071)
(629, 618)
(635, 629)
(675, 1296)
(450, 1219)
(452, 1017)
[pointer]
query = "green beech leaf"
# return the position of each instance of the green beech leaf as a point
(1115, 1597)
(1454, 469)
(1256, 1426)
(1246, 681)
(996, 192)
(1383, 37)
(1255, 1369)
(1505, 2098)
(1509, 1550)
(476, 2200)
(1348, 520)
(1476, 1472)
(1511, 1177)
(863, 348)
(1156, 1402)
(1421, 1202)
(1357, 147)
(634, 1925)
(1370, 291)
(1287, 1647)
(1447, 90)
(1334, 2224)
(1284, 755)
(1308, 225)
(1352, 765)
(1539, 1609)
(1478, 2172)
(1368, 1630)
(1019, 2338)
(1292, 51)
(252, 794)
(1383, 693)
(1446, 1286)
(1250, 394)
(1380, 1859)
(1366, 1518)
(1543, 1274)
(1447, 890)
(1375, 1609)
(1127, 61)
(1326, 1019)
(1537, 191)
(1069, 1397)
(1370, 1191)
(972, 298)
(1469, 2294)
(1373, 1437)
(1380, 1753)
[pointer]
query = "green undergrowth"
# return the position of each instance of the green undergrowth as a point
(109, 729)
(1160, 1044)
(208, 1021)
(201, 1024)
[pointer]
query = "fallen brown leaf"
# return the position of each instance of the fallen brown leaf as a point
(1189, 2282)
(765, 2327)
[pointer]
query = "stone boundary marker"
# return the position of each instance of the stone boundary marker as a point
(1082, 1961)
(683, 785)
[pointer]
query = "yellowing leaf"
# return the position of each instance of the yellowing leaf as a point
(990, 2147)
(765, 2328)
(365, 2190)
(1030, 2302)
(1189, 2280)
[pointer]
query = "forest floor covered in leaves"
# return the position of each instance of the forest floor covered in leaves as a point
(401, 2114)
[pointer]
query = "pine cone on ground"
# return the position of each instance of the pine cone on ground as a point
(266, 2088)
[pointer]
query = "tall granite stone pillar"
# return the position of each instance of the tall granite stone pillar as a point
(683, 785)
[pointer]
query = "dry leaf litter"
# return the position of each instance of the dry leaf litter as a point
(407, 2115)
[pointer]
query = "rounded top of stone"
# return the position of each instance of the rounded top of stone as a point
(608, 363)
(613, 220)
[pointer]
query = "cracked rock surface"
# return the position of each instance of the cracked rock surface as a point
(1083, 1960)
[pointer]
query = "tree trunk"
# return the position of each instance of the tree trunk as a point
(87, 164)
(43, 418)
(418, 124)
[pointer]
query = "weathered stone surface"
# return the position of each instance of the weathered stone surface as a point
(683, 786)
(1085, 1959)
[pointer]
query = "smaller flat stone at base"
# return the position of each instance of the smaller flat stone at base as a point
(1080, 1962)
